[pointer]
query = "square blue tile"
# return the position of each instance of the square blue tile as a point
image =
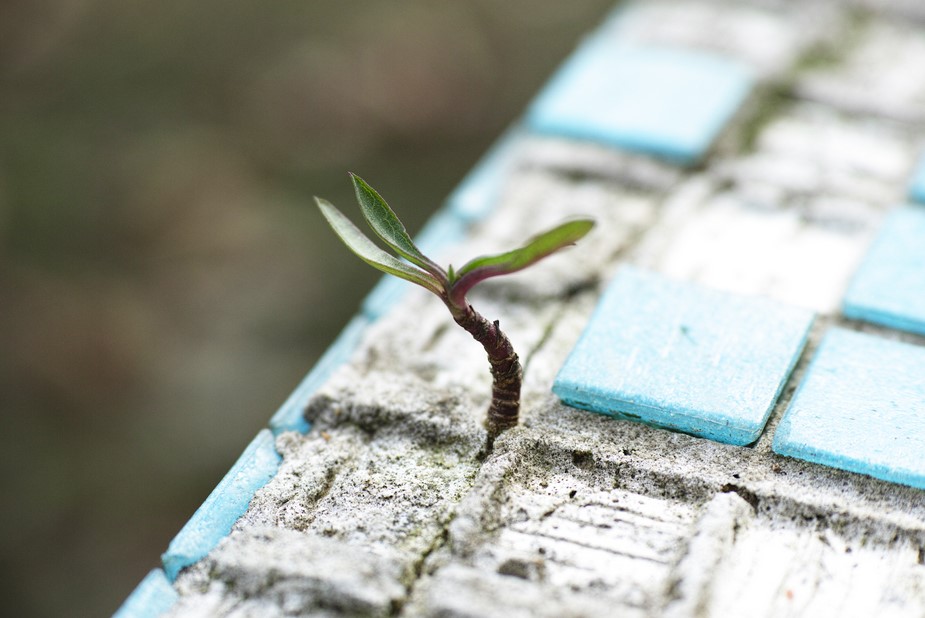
(667, 102)
(889, 287)
(228, 501)
(153, 597)
(917, 187)
(684, 357)
(861, 408)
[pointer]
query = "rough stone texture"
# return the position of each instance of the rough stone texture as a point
(390, 506)
(720, 239)
(808, 152)
(289, 573)
(883, 74)
(768, 39)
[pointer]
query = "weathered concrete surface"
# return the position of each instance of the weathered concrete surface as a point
(390, 506)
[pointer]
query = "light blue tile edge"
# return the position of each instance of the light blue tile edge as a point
(228, 501)
(878, 292)
(444, 228)
(917, 186)
(580, 394)
(842, 341)
(153, 597)
(478, 193)
(599, 50)
(291, 415)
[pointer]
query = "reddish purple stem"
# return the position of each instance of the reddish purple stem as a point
(506, 371)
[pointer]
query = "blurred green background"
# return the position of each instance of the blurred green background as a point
(164, 279)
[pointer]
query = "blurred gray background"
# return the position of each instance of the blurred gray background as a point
(165, 280)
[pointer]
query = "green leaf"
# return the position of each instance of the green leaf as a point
(537, 248)
(367, 251)
(389, 227)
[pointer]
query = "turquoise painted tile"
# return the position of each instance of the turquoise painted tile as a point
(478, 193)
(684, 357)
(387, 293)
(291, 415)
(153, 597)
(443, 229)
(667, 102)
(889, 287)
(228, 501)
(861, 407)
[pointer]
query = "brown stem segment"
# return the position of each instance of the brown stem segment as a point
(505, 369)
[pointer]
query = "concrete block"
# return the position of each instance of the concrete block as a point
(810, 151)
(153, 597)
(684, 357)
(228, 501)
(917, 187)
(768, 39)
(271, 571)
(583, 158)
(889, 287)
(861, 407)
(290, 416)
(882, 74)
(730, 245)
(664, 101)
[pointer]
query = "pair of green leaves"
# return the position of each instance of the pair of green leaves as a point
(420, 269)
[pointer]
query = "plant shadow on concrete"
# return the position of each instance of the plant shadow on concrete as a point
(451, 285)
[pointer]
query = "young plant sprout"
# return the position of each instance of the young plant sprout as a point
(451, 286)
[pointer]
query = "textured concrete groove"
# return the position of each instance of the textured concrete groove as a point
(711, 465)
(599, 514)
(574, 536)
(689, 586)
(419, 567)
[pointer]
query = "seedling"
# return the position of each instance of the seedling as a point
(451, 286)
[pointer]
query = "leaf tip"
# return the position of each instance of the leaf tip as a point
(358, 182)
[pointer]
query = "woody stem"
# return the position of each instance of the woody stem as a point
(506, 371)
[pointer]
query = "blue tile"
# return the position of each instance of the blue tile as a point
(228, 501)
(478, 193)
(443, 229)
(917, 188)
(861, 408)
(291, 415)
(387, 293)
(667, 102)
(153, 597)
(684, 357)
(889, 287)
